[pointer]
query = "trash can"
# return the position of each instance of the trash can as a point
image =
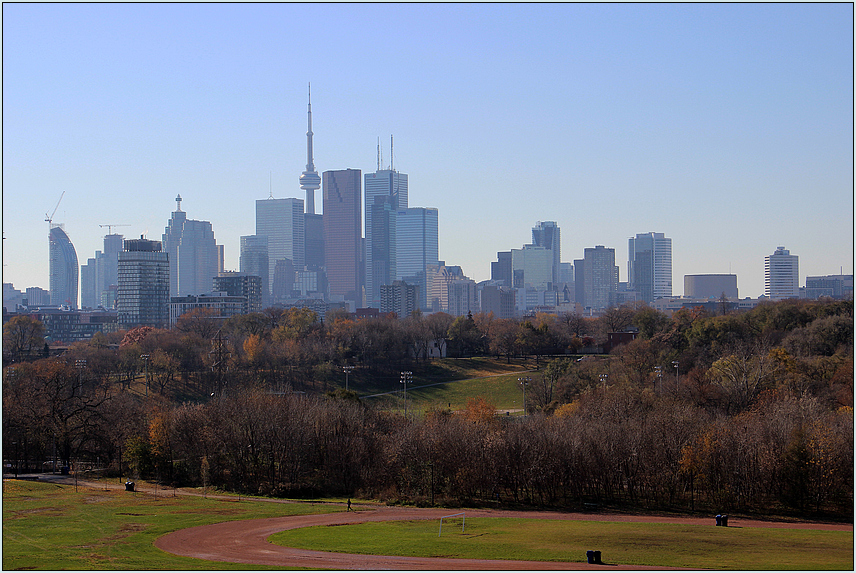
(590, 557)
(719, 520)
(597, 557)
(724, 521)
(129, 486)
(64, 470)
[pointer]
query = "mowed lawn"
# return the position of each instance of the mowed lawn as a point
(620, 543)
(50, 526)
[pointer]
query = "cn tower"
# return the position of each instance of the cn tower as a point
(310, 180)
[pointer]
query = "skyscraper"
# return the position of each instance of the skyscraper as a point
(63, 268)
(781, 275)
(532, 266)
(282, 222)
(91, 277)
(342, 232)
(381, 253)
(650, 274)
(193, 253)
(383, 183)
(417, 247)
(596, 278)
(500, 269)
(144, 283)
(548, 235)
(309, 180)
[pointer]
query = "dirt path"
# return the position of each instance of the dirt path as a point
(246, 541)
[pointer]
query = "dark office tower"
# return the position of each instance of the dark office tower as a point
(63, 268)
(342, 232)
(283, 281)
(500, 269)
(309, 180)
(381, 253)
(547, 234)
(193, 253)
(143, 293)
(254, 261)
(314, 241)
(383, 183)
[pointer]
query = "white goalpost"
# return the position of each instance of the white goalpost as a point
(463, 521)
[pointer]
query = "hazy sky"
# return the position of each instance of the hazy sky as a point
(728, 127)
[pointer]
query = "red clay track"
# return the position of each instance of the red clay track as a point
(246, 541)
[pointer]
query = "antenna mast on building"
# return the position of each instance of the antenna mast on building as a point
(379, 160)
(391, 156)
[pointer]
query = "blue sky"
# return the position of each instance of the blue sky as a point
(728, 127)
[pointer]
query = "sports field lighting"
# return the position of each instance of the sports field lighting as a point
(524, 382)
(347, 370)
(406, 378)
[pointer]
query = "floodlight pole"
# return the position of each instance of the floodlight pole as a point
(406, 378)
(524, 382)
(145, 358)
(347, 370)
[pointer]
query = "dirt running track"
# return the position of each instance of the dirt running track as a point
(246, 541)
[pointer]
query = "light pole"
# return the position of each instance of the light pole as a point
(675, 364)
(524, 382)
(347, 370)
(80, 364)
(145, 358)
(406, 378)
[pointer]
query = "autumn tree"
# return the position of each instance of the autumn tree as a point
(22, 337)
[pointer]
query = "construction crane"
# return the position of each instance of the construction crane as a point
(110, 228)
(49, 218)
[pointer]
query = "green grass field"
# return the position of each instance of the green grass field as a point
(50, 527)
(659, 545)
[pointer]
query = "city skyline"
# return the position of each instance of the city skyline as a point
(721, 134)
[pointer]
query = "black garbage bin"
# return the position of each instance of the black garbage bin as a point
(590, 557)
(129, 486)
(724, 521)
(64, 470)
(597, 557)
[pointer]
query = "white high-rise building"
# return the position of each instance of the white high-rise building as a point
(649, 266)
(417, 246)
(781, 275)
(282, 222)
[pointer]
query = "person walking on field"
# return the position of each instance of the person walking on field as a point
(349, 504)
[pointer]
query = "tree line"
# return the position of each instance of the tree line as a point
(749, 411)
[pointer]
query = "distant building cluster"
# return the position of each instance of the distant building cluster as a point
(297, 258)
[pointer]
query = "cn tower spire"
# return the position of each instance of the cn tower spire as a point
(309, 180)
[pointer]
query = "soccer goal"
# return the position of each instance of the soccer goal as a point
(463, 517)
